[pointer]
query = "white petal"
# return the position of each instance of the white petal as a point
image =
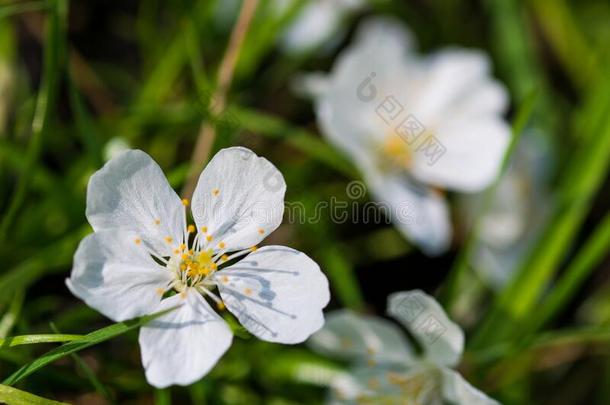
(117, 276)
(458, 391)
(131, 193)
(473, 154)
(349, 336)
(182, 346)
(366, 77)
(452, 75)
(442, 339)
(419, 213)
(239, 198)
(277, 293)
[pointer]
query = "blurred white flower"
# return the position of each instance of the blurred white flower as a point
(143, 258)
(316, 24)
(517, 213)
(114, 147)
(385, 368)
(413, 124)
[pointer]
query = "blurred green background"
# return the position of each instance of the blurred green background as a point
(81, 79)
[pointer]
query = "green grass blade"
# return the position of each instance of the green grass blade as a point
(593, 251)
(53, 57)
(8, 10)
(13, 396)
(93, 338)
(90, 374)
(35, 339)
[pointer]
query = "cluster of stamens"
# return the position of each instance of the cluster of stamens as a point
(195, 260)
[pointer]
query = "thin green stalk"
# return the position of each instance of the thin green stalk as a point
(36, 339)
(13, 396)
(91, 339)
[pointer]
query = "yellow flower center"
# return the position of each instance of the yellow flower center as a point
(396, 152)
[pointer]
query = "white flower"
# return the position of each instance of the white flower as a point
(319, 22)
(143, 258)
(385, 367)
(413, 124)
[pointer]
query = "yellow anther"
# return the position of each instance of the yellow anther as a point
(214, 266)
(215, 192)
(204, 229)
(253, 249)
(261, 231)
(209, 238)
(185, 202)
(248, 291)
(183, 294)
(220, 306)
(182, 247)
(183, 267)
(160, 291)
(224, 279)
(222, 245)
(138, 241)
(224, 258)
(169, 239)
(176, 251)
(191, 228)
(157, 221)
(184, 256)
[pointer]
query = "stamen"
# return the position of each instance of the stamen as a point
(157, 221)
(169, 239)
(215, 192)
(138, 241)
(191, 229)
(261, 231)
(204, 229)
(185, 202)
(222, 245)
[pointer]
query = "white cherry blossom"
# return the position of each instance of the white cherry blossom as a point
(385, 368)
(414, 124)
(144, 258)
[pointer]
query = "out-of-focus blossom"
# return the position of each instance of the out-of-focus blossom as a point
(318, 24)
(414, 125)
(114, 147)
(143, 258)
(384, 366)
(517, 213)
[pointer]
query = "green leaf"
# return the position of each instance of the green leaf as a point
(13, 396)
(74, 346)
(34, 339)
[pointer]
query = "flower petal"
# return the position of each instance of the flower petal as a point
(349, 336)
(442, 339)
(458, 391)
(117, 276)
(450, 83)
(182, 346)
(239, 198)
(131, 193)
(473, 154)
(419, 213)
(277, 293)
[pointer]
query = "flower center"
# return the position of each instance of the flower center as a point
(395, 153)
